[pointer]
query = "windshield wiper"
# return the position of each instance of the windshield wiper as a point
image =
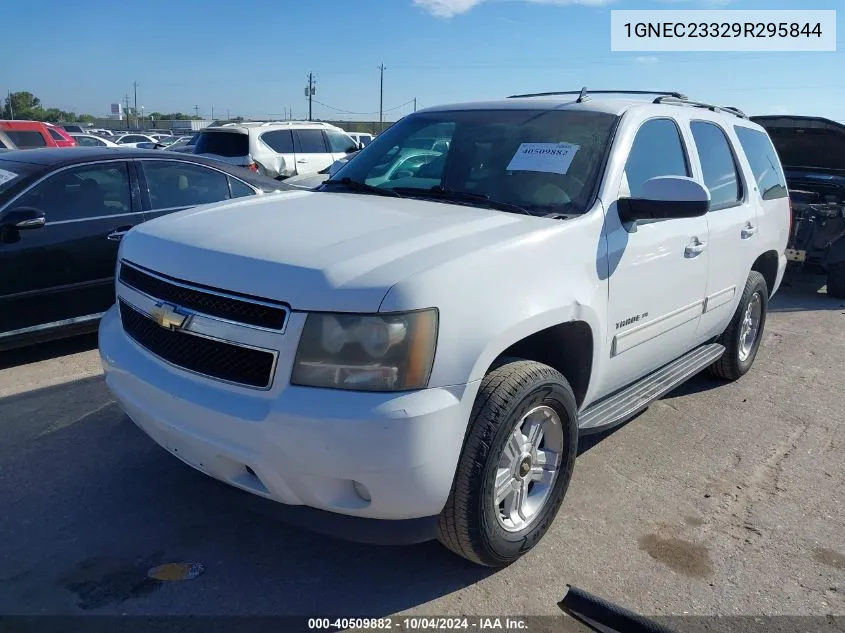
(362, 187)
(444, 193)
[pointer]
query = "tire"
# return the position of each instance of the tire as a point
(836, 280)
(738, 359)
(471, 524)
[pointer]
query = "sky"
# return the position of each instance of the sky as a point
(254, 61)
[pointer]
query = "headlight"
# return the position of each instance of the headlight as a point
(367, 352)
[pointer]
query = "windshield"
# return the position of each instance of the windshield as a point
(543, 161)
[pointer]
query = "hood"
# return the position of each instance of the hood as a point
(802, 142)
(316, 251)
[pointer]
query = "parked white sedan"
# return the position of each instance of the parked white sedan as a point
(132, 140)
(89, 140)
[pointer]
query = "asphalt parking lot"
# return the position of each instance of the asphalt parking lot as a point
(720, 499)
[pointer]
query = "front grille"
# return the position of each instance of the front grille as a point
(224, 361)
(230, 308)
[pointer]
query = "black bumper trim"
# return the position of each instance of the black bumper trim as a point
(345, 527)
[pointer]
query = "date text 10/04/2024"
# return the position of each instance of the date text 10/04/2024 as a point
(505, 624)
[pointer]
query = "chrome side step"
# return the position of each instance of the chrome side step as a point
(623, 404)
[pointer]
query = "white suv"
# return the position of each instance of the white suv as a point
(414, 357)
(277, 148)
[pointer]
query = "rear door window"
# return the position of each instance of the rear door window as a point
(26, 139)
(721, 175)
(764, 162)
(174, 184)
(311, 141)
(56, 136)
(229, 144)
(279, 141)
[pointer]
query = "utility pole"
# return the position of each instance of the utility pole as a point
(212, 113)
(310, 90)
(135, 88)
(197, 110)
(127, 110)
(381, 100)
(228, 118)
(415, 104)
(11, 107)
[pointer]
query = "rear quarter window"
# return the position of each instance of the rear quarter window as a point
(229, 144)
(764, 162)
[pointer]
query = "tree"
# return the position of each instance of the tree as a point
(24, 105)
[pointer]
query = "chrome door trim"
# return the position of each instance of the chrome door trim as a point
(53, 325)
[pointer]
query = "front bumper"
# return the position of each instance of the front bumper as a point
(296, 445)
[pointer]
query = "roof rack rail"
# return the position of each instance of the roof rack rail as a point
(671, 100)
(584, 94)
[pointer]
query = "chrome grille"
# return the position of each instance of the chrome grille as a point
(199, 354)
(216, 303)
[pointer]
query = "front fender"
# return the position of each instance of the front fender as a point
(495, 296)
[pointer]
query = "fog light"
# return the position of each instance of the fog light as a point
(361, 491)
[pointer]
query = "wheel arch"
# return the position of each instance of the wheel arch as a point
(767, 265)
(567, 345)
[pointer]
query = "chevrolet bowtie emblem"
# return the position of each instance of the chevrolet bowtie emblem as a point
(166, 316)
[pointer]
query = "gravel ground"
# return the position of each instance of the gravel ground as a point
(721, 499)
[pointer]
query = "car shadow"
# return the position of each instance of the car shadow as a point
(94, 504)
(804, 291)
(48, 350)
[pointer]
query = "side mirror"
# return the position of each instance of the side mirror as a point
(664, 198)
(352, 149)
(24, 218)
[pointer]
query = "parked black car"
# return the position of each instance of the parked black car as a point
(63, 213)
(812, 151)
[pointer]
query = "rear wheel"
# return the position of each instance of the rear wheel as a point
(745, 331)
(836, 280)
(515, 466)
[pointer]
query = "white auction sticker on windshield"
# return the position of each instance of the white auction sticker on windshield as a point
(6, 176)
(553, 158)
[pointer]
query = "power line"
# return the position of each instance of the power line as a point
(342, 111)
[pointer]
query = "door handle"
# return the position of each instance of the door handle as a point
(118, 233)
(302, 160)
(748, 230)
(695, 248)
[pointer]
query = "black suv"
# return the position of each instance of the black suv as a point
(812, 151)
(63, 213)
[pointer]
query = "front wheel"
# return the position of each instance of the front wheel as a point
(515, 466)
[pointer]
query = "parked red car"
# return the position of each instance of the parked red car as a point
(32, 134)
